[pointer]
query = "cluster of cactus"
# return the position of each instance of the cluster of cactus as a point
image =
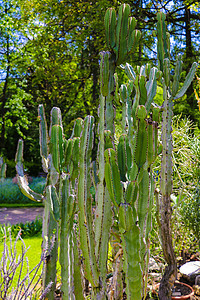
(3, 167)
(122, 176)
(122, 37)
(171, 92)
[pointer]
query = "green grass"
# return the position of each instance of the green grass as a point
(21, 205)
(33, 254)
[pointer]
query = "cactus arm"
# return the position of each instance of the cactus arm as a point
(110, 25)
(123, 97)
(131, 250)
(44, 151)
(112, 177)
(77, 279)
(143, 90)
(177, 75)
(148, 230)
(67, 205)
(100, 185)
(106, 225)
(78, 126)
(156, 119)
(3, 171)
(110, 112)
(51, 240)
(53, 200)
(142, 211)
(3, 167)
(150, 151)
(56, 148)
(90, 264)
(104, 69)
(22, 181)
(124, 157)
(141, 139)
(56, 118)
(187, 82)
(151, 87)
(130, 72)
(163, 41)
(122, 32)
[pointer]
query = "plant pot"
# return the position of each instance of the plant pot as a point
(187, 291)
(181, 285)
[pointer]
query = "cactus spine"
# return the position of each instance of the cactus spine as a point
(170, 93)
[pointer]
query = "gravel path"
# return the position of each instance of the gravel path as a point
(19, 215)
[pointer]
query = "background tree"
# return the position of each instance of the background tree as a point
(50, 55)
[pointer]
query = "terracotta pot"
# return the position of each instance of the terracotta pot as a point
(185, 296)
(180, 297)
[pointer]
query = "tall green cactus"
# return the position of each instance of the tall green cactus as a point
(122, 39)
(170, 92)
(3, 167)
(129, 177)
(60, 160)
(122, 175)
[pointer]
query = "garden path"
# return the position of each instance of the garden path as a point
(19, 215)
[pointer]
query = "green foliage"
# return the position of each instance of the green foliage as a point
(27, 230)
(186, 158)
(11, 194)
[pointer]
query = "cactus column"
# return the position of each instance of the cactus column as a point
(170, 93)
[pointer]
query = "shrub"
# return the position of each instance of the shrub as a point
(29, 229)
(11, 194)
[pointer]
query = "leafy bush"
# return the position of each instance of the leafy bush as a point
(11, 194)
(29, 229)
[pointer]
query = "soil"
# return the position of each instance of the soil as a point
(180, 290)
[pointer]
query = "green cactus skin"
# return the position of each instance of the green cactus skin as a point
(50, 266)
(129, 184)
(77, 278)
(100, 186)
(177, 75)
(56, 147)
(3, 168)
(124, 157)
(112, 176)
(131, 250)
(150, 151)
(104, 73)
(67, 210)
(22, 180)
(43, 138)
(84, 202)
(187, 82)
(141, 139)
(162, 47)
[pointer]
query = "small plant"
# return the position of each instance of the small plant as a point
(11, 265)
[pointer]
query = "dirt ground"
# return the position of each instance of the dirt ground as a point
(19, 215)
